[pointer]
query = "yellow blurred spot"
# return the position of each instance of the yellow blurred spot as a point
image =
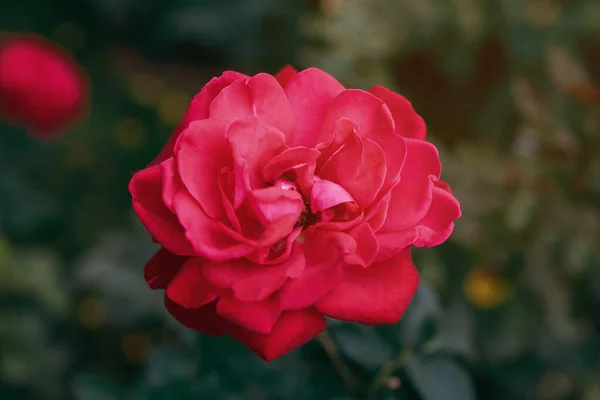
(484, 289)
(136, 346)
(331, 8)
(71, 34)
(129, 133)
(91, 313)
(172, 106)
(146, 89)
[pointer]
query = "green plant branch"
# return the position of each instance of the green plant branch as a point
(386, 371)
(332, 352)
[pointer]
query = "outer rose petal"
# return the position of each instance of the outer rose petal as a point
(310, 94)
(189, 289)
(203, 319)
(411, 198)
(285, 74)
(160, 270)
(437, 225)
(201, 153)
(261, 97)
(293, 329)
(408, 123)
(145, 188)
(376, 295)
(198, 109)
(256, 316)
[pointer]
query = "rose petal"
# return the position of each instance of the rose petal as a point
(285, 74)
(411, 198)
(256, 316)
(203, 319)
(393, 243)
(189, 289)
(253, 144)
(254, 282)
(340, 156)
(293, 329)
(310, 93)
(326, 194)
(376, 295)
(374, 121)
(210, 238)
(409, 124)
(160, 270)
(366, 246)
(201, 153)
(370, 176)
(262, 97)
(271, 204)
(145, 188)
(198, 109)
(437, 225)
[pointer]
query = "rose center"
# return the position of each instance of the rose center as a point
(306, 218)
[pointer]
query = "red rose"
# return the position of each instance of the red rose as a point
(281, 200)
(41, 86)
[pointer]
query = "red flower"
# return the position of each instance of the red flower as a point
(281, 200)
(41, 86)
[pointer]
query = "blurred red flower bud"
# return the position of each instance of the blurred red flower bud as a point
(42, 88)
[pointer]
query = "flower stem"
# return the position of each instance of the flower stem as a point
(386, 371)
(332, 352)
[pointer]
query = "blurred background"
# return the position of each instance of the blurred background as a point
(509, 308)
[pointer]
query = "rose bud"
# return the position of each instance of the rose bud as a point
(41, 87)
(280, 200)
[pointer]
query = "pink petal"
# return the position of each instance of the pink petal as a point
(253, 282)
(160, 270)
(366, 246)
(163, 226)
(285, 74)
(262, 97)
(198, 109)
(203, 319)
(412, 197)
(437, 225)
(326, 194)
(256, 316)
(370, 176)
(409, 124)
(271, 204)
(210, 238)
(315, 282)
(201, 153)
(310, 94)
(376, 295)
(293, 329)
(300, 161)
(253, 144)
(390, 244)
(374, 121)
(189, 289)
(341, 155)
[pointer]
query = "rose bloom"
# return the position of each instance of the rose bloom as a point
(41, 86)
(280, 200)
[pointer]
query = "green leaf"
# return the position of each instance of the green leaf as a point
(89, 386)
(363, 345)
(420, 320)
(440, 378)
